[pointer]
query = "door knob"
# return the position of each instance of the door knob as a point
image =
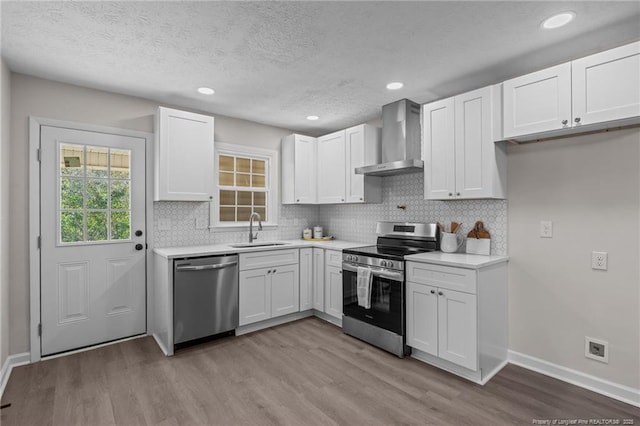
(138, 233)
(139, 246)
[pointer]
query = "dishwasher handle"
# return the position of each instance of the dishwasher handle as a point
(205, 267)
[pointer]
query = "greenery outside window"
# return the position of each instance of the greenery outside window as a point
(246, 182)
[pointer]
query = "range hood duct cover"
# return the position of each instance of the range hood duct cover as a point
(401, 144)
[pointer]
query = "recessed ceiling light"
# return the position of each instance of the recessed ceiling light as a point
(206, 90)
(559, 20)
(312, 117)
(395, 85)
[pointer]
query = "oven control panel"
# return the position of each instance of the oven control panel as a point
(359, 260)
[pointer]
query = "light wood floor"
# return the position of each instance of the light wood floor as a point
(302, 373)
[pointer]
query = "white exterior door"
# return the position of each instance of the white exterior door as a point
(93, 229)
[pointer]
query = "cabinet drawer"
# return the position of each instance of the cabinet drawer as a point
(265, 259)
(333, 258)
(459, 279)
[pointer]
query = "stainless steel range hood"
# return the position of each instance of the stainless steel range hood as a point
(401, 146)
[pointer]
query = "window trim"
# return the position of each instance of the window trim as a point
(273, 184)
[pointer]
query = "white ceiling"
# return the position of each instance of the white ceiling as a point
(277, 62)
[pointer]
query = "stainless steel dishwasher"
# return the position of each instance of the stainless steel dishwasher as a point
(205, 297)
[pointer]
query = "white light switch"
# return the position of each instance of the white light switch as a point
(546, 229)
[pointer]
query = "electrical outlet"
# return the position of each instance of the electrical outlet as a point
(599, 260)
(596, 349)
(164, 224)
(546, 229)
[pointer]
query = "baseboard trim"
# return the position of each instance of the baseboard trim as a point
(272, 322)
(9, 364)
(613, 390)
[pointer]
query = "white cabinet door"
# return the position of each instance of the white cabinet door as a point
(318, 279)
(422, 318)
(331, 168)
(606, 86)
(254, 295)
(305, 176)
(184, 156)
(475, 149)
(457, 328)
(285, 285)
(333, 291)
(538, 102)
(306, 279)
(362, 148)
(439, 150)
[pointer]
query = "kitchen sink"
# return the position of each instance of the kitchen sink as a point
(258, 244)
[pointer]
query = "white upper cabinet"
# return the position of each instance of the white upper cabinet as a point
(606, 86)
(362, 148)
(538, 102)
(331, 168)
(594, 91)
(461, 159)
(299, 175)
(184, 159)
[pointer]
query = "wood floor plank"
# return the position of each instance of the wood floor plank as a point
(303, 373)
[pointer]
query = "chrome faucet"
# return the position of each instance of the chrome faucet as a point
(251, 236)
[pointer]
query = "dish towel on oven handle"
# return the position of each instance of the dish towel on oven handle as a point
(364, 277)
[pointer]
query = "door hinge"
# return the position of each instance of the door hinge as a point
(38, 155)
(39, 241)
(39, 330)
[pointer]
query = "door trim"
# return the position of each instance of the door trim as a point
(35, 123)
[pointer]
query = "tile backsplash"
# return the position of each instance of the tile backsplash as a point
(352, 222)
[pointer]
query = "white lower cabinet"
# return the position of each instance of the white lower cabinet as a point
(268, 292)
(318, 279)
(457, 317)
(333, 284)
(306, 279)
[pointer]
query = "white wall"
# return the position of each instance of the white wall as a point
(5, 96)
(43, 98)
(589, 186)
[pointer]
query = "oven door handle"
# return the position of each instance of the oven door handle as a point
(376, 272)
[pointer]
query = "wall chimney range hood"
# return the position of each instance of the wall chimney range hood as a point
(401, 145)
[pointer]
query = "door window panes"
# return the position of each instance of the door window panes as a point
(243, 188)
(94, 186)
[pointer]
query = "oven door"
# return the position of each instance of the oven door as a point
(387, 298)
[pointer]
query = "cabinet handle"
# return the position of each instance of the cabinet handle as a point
(457, 194)
(433, 292)
(274, 271)
(565, 122)
(440, 293)
(577, 120)
(340, 271)
(269, 271)
(450, 194)
(297, 201)
(342, 200)
(361, 198)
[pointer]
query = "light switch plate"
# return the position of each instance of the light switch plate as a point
(546, 229)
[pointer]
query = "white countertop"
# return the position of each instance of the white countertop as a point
(461, 260)
(217, 249)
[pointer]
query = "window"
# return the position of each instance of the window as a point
(245, 183)
(94, 194)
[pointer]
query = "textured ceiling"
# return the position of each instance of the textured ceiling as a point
(277, 62)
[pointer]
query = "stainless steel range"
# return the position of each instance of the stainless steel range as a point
(377, 314)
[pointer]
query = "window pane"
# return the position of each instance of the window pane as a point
(225, 179)
(258, 166)
(244, 198)
(96, 226)
(71, 160)
(120, 163)
(120, 195)
(97, 193)
(120, 226)
(71, 193)
(262, 211)
(243, 180)
(244, 213)
(227, 214)
(71, 227)
(259, 199)
(97, 160)
(228, 198)
(257, 181)
(243, 165)
(226, 163)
